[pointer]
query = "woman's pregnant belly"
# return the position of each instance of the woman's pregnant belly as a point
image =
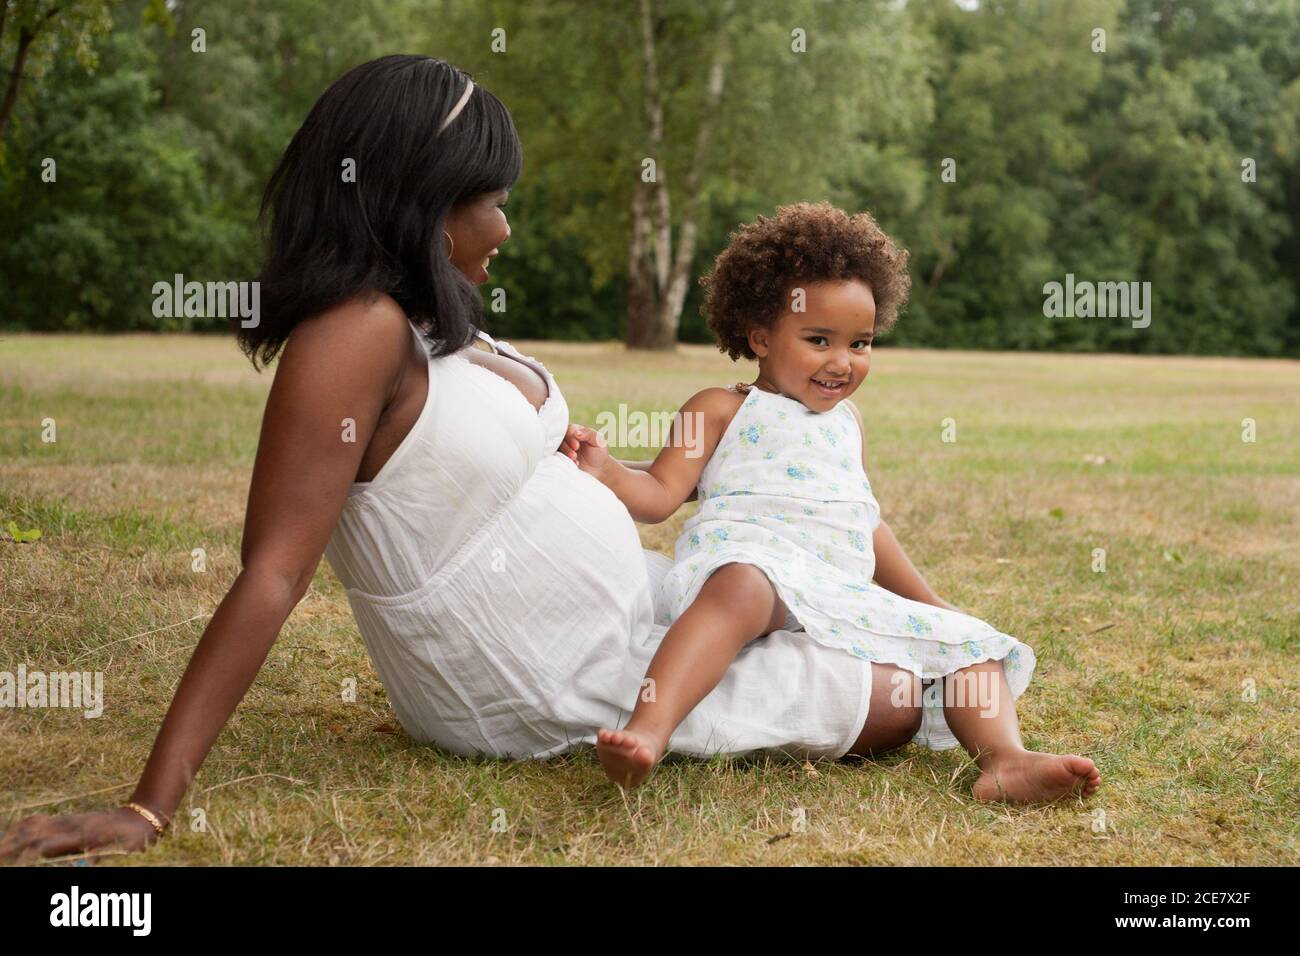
(529, 626)
(570, 570)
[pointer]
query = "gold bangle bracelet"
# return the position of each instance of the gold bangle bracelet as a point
(148, 814)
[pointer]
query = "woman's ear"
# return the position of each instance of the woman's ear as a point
(758, 341)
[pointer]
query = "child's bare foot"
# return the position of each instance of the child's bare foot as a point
(628, 756)
(1033, 777)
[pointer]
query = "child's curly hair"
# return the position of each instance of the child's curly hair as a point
(802, 243)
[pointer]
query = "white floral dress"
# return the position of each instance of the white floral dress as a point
(785, 491)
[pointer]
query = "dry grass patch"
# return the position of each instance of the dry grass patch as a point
(1175, 669)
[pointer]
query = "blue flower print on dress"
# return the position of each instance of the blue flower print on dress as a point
(829, 435)
(857, 540)
(800, 472)
(857, 650)
(751, 435)
(919, 625)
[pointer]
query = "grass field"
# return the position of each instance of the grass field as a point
(1175, 669)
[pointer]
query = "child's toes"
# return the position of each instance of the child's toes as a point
(1080, 766)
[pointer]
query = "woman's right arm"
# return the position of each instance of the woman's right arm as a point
(343, 364)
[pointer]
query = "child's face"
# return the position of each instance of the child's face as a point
(819, 349)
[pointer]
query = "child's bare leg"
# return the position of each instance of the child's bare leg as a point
(979, 709)
(735, 605)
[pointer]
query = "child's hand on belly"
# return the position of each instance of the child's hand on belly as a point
(586, 448)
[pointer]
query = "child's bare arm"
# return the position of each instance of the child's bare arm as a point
(653, 493)
(572, 443)
(645, 466)
(894, 570)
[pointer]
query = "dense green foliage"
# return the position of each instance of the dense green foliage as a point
(1132, 164)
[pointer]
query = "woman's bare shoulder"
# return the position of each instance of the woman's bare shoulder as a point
(361, 339)
(356, 320)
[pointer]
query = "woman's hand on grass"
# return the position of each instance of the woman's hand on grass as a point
(35, 837)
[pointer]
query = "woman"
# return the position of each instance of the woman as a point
(502, 593)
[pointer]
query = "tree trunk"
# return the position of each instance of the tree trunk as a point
(25, 39)
(642, 303)
(658, 274)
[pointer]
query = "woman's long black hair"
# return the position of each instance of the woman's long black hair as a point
(330, 240)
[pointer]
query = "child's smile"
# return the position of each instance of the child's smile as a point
(830, 388)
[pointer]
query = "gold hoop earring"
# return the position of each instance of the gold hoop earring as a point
(451, 244)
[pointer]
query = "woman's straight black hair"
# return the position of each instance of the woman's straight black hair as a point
(331, 239)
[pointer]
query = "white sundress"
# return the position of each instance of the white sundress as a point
(785, 491)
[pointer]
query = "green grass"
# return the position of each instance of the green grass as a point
(1144, 667)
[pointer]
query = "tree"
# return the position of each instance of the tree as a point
(158, 153)
(107, 195)
(648, 116)
(35, 30)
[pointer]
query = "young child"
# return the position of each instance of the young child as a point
(788, 533)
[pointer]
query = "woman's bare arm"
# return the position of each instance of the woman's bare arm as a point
(337, 366)
(341, 365)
